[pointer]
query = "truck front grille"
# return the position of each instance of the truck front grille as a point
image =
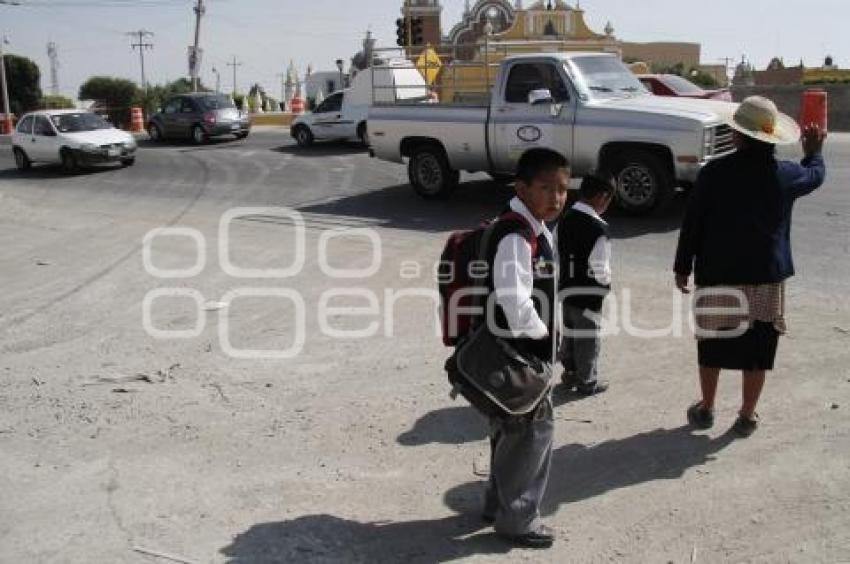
(722, 141)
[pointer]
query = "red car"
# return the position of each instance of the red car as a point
(674, 85)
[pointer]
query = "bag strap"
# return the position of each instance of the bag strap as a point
(484, 247)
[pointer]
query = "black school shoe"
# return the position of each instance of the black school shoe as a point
(569, 380)
(593, 389)
(700, 417)
(543, 537)
(744, 426)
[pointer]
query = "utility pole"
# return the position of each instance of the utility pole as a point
(141, 45)
(6, 122)
(234, 64)
(53, 54)
(217, 80)
(195, 55)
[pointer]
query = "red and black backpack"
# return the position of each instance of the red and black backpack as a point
(460, 268)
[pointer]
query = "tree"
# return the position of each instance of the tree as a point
(23, 78)
(51, 102)
(117, 95)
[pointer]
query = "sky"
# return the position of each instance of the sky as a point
(264, 35)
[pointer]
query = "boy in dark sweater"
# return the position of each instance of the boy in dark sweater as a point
(584, 250)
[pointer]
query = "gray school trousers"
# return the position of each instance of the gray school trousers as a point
(520, 458)
(580, 353)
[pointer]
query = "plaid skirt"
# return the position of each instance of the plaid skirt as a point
(758, 314)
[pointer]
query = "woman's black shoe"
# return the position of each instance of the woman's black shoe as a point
(700, 417)
(744, 426)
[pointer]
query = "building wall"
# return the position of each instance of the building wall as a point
(779, 77)
(789, 100)
(667, 54)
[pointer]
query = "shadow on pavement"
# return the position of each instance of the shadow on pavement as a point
(327, 538)
(187, 144)
(578, 472)
(582, 472)
(329, 149)
(55, 172)
(450, 426)
(398, 207)
(462, 424)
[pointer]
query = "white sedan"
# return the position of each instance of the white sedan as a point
(72, 138)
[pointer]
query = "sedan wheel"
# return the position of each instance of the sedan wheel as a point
(69, 162)
(22, 161)
(154, 133)
(303, 137)
(198, 135)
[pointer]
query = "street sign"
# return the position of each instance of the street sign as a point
(429, 65)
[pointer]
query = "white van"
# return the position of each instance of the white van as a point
(342, 115)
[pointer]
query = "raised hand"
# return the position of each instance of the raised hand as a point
(813, 139)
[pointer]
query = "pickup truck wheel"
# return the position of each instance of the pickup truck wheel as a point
(430, 173)
(22, 161)
(643, 183)
(303, 136)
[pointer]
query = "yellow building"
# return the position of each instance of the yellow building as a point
(490, 30)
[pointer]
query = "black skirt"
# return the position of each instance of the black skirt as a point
(754, 350)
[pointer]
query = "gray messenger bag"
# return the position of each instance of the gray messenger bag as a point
(495, 378)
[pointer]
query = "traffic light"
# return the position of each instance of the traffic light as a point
(401, 32)
(416, 29)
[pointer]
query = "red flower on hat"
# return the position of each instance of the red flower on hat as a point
(768, 128)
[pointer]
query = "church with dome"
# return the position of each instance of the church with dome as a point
(517, 26)
(544, 25)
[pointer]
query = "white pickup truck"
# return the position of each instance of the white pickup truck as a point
(587, 106)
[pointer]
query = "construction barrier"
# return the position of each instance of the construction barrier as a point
(137, 120)
(7, 126)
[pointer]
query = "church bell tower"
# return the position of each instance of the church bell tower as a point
(430, 11)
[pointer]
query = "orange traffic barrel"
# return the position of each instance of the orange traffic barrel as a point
(297, 105)
(815, 108)
(137, 120)
(7, 126)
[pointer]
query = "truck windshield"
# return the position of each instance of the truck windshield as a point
(83, 121)
(605, 77)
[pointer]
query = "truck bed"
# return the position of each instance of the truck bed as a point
(460, 127)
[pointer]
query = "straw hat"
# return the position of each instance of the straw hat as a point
(758, 117)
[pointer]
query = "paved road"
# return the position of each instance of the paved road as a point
(351, 451)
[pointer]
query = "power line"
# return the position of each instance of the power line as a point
(234, 64)
(141, 46)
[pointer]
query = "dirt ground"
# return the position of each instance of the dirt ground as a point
(115, 446)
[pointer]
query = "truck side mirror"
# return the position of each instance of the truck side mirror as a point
(540, 97)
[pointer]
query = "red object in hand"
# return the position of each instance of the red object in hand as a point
(814, 109)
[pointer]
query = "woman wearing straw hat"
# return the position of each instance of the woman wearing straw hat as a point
(736, 239)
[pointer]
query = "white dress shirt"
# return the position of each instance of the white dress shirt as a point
(599, 260)
(513, 278)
